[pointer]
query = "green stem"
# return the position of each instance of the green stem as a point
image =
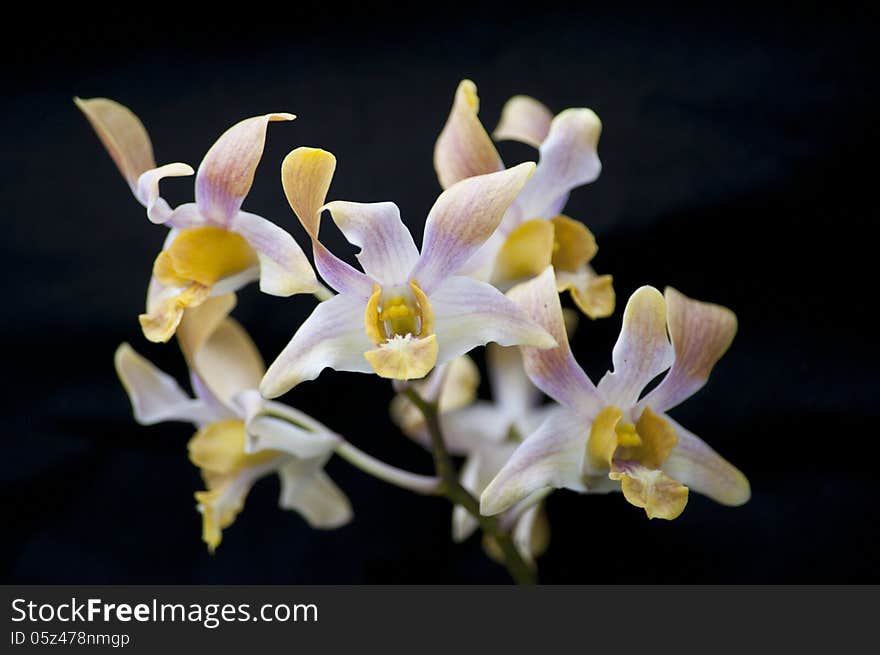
(420, 484)
(452, 489)
(323, 293)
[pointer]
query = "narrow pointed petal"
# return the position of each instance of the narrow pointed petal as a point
(702, 469)
(227, 172)
(512, 390)
(388, 253)
(469, 313)
(568, 160)
(554, 370)
(123, 135)
(229, 361)
(147, 190)
(284, 268)
(306, 174)
(553, 456)
(701, 333)
(270, 433)
(155, 396)
(524, 119)
(314, 496)
(332, 337)
(463, 148)
(462, 219)
(642, 351)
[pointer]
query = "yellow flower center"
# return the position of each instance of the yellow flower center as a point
(634, 454)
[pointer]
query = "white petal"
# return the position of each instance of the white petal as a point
(155, 395)
(552, 456)
(313, 495)
(332, 337)
(271, 433)
(388, 253)
(147, 190)
(511, 387)
(463, 523)
(524, 119)
(469, 313)
(284, 268)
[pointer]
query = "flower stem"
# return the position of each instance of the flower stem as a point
(420, 484)
(323, 293)
(452, 489)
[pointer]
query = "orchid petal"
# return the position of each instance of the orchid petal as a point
(512, 389)
(155, 396)
(554, 370)
(474, 427)
(404, 358)
(463, 523)
(147, 190)
(553, 456)
(524, 119)
(388, 252)
(284, 268)
(333, 336)
(642, 351)
(463, 148)
(660, 495)
(267, 432)
(702, 469)
(123, 135)
(568, 160)
(531, 535)
(306, 174)
(526, 252)
(469, 313)
(227, 172)
(229, 361)
(701, 333)
(593, 294)
(314, 496)
(462, 219)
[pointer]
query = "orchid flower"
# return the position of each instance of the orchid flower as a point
(408, 311)
(238, 440)
(611, 436)
(213, 247)
(486, 433)
(533, 233)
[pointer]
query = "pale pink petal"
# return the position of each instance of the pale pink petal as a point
(554, 370)
(642, 351)
(524, 119)
(313, 495)
(701, 333)
(388, 253)
(463, 148)
(332, 337)
(469, 313)
(284, 268)
(568, 160)
(147, 190)
(694, 464)
(552, 456)
(155, 396)
(227, 172)
(462, 219)
(185, 216)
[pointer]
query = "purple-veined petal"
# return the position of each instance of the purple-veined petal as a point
(553, 456)
(463, 148)
(313, 495)
(469, 313)
(701, 333)
(554, 370)
(155, 396)
(512, 389)
(227, 172)
(462, 219)
(694, 464)
(306, 174)
(123, 135)
(568, 160)
(284, 268)
(333, 336)
(524, 119)
(388, 253)
(642, 351)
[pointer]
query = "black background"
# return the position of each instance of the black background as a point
(739, 152)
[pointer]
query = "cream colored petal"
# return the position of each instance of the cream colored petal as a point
(642, 351)
(661, 496)
(524, 119)
(463, 148)
(404, 358)
(269, 433)
(146, 190)
(313, 495)
(701, 333)
(531, 535)
(462, 219)
(526, 252)
(123, 135)
(227, 172)
(155, 396)
(593, 294)
(702, 469)
(512, 390)
(554, 370)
